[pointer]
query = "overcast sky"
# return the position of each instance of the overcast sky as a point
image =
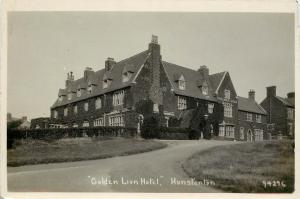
(256, 49)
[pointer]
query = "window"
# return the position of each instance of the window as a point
(66, 112)
(126, 76)
(75, 125)
(222, 131)
(155, 108)
(89, 89)
(99, 122)
(227, 109)
(227, 94)
(86, 106)
(181, 103)
(259, 135)
(70, 95)
(78, 92)
(229, 131)
(55, 114)
(249, 117)
(118, 98)
(242, 136)
(105, 83)
(181, 83)
(290, 112)
(75, 110)
(205, 90)
(60, 98)
(258, 118)
(117, 120)
(210, 108)
(98, 103)
(85, 124)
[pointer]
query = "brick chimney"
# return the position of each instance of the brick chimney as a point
(251, 95)
(291, 95)
(271, 91)
(70, 78)
(204, 72)
(109, 63)
(154, 63)
(87, 72)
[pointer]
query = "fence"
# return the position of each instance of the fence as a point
(58, 133)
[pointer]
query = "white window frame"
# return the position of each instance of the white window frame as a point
(181, 83)
(227, 109)
(75, 125)
(222, 131)
(258, 135)
(98, 103)
(242, 133)
(70, 95)
(227, 94)
(229, 131)
(105, 83)
(85, 124)
(75, 109)
(249, 117)
(118, 98)
(181, 104)
(90, 89)
(60, 98)
(290, 113)
(205, 90)
(126, 76)
(258, 118)
(210, 108)
(116, 120)
(65, 111)
(99, 122)
(78, 92)
(86, 106)
(55, 114)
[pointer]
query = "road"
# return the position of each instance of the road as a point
(154, 171)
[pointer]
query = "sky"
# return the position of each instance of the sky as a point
(256, 49)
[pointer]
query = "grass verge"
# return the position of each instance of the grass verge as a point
(30, 152)
(260, 167)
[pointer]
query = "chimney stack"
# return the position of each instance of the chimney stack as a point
(271, 91)
(109, 63)
(291, 95)
(204, 72)
(251, 95)
(70, 78)
(154, 47)
(87, 72)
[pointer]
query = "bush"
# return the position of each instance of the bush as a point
(149, 128)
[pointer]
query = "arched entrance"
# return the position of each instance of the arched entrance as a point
(249, 136)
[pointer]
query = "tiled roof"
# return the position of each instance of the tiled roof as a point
(286, 101)
(246, 104)
(193, 80)
(134, 63)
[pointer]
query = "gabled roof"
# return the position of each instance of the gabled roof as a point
(249, 105)
(192, 79)
(134, 63)
(286, 101)
(216, 79)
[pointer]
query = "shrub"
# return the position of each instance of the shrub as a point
(149, 128)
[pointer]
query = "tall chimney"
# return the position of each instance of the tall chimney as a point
(291, 95)
(251, 95)
(109, 63)
(271, 91)
(87, 72)
(204, 72)
(70, 78)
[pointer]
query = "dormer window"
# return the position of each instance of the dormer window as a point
(78, 92)
(89, 89)
(227, 94)
(105, 83)
(126, 76)
(205, 90)
(98, 103)
(60, 98)
(55, 114)
(70, 95)
(181, 83)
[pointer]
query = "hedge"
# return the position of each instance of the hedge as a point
(58, 133)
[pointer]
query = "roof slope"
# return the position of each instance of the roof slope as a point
(286, 101)
(134, 63)
(246, 104)
(192, 78)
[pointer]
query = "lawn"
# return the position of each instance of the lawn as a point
(247, 167)
(28, 152)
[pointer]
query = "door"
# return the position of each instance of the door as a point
(249, 136)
